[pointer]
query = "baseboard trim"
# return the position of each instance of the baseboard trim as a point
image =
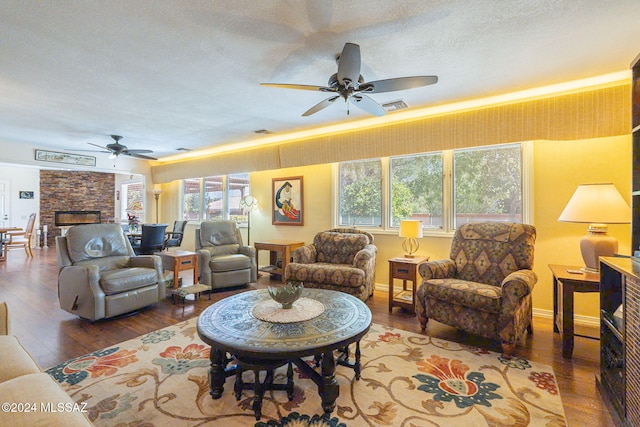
(585, 326)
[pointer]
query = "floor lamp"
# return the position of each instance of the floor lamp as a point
(156, 194)
(248, 203)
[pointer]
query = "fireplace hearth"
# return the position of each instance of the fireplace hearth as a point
(66, 218)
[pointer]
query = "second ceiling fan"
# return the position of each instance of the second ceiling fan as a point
(349, 84)
(115, 149)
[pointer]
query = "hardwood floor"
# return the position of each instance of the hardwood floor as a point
(29, 285)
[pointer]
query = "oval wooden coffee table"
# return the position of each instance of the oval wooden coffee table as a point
(230, 328)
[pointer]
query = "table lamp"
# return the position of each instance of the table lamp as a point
(411, 230)
(597, 205)
(248, 203)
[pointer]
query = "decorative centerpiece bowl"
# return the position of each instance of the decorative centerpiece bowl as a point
(287, 294)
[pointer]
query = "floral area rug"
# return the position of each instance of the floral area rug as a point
(160, 379)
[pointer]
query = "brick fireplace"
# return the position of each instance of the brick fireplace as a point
(75, 191)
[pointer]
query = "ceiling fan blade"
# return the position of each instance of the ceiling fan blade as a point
(139, 156)
(99, 146)
(368, 104)
(320, 106)
(91, 151)
(349, 64)
(299, 87)
(400, 83)
(139, 151)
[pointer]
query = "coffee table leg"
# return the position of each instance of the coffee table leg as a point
(217, 374)
(329, 388)
(357, 367)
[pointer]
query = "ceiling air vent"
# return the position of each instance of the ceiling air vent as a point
(395, 105)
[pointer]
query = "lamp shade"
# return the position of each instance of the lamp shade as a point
(597, 203)
(248, 203)
(410, 228)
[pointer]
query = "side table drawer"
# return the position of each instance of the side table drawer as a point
(403, 271)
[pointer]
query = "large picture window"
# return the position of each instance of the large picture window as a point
(442, 189)
(361, 193)
(215, 197)
(416, 189)
(488, 185)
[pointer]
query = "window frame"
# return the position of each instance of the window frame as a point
(448, 197)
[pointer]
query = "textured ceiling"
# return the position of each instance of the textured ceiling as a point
(185, 74)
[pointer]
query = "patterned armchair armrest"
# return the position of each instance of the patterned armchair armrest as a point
(439, 269)
(305, 254)
(365, 257)
(518, 284)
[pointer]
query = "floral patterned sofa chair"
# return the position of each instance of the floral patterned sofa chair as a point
(485, 288)
(340, 259)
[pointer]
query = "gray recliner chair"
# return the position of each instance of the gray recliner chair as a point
(223, 261)
(99, 275)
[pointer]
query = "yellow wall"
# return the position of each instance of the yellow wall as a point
(559, 167)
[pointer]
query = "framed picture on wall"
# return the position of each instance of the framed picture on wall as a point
(26, 194)
(287, 200)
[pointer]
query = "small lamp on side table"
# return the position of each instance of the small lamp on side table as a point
(597, 205)
(411, 230)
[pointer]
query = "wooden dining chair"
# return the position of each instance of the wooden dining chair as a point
(22, 239)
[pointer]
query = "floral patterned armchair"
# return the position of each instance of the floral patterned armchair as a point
(485, 288)
(341, 259)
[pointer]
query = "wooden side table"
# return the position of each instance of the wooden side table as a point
(179, 260)
(279, 250)
(404, 269)
(564, 285)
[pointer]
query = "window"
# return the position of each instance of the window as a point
(361, 193)
(416, 189)
(443, 189)
(215, 197)
(488, 185)
(237, 188)
(132, 200)
(191, 198)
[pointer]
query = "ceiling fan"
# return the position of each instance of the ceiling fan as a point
(349, 84)
(115, 149)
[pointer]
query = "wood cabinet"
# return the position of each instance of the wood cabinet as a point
(619, 378)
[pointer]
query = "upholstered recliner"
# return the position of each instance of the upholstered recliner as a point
(223, 260)
(99, 275)
(341, 259)
(485, 288)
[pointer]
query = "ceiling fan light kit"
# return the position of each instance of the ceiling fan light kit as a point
(349, 84)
